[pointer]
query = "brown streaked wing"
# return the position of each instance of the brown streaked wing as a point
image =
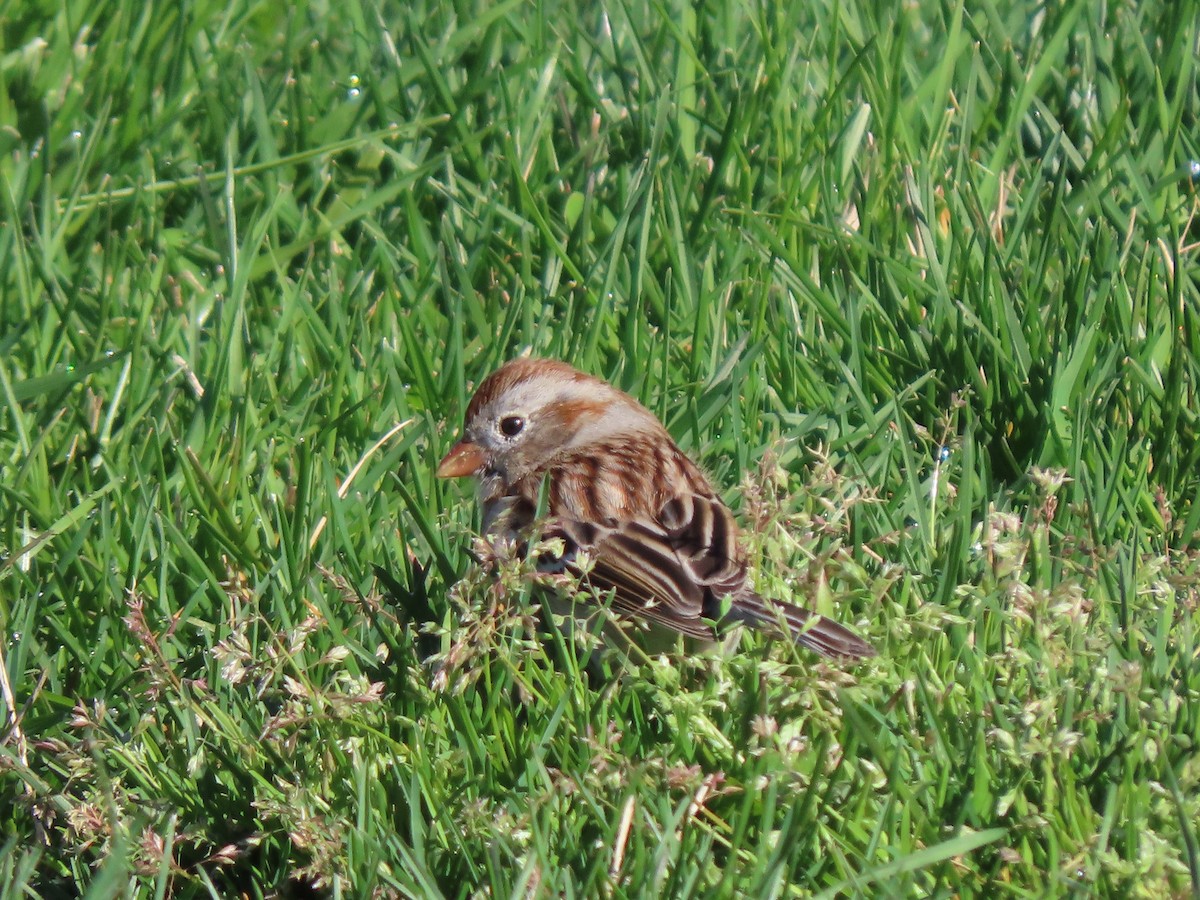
(667, 574)
(642, 570)
(704, 534)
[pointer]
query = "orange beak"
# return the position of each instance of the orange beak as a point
(463, 459)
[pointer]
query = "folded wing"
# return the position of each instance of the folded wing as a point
(679, 569)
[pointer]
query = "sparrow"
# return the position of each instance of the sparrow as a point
(633, 514)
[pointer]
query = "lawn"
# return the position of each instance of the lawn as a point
(915, 282)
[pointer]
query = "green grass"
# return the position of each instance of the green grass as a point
(917, 285)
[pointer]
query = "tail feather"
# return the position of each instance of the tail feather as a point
(809, 629)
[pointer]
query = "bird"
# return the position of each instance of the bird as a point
(634, 516)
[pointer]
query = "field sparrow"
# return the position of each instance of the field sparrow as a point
(616, 487)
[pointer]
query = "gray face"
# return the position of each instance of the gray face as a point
(526, 425)
(523, 428)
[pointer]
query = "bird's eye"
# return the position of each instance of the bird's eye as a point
(510, 426)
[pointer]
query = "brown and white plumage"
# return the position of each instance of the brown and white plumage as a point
(617, 488)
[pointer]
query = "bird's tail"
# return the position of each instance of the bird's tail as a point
(809, 629)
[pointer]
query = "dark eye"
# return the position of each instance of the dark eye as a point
(510, 426)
